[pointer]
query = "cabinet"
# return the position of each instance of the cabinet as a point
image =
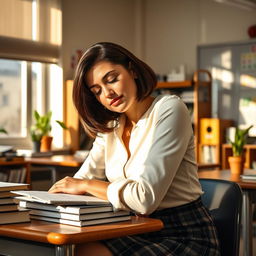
(249, 153)
(212, 136)
(200, 104)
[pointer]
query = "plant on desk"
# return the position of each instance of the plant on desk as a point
(236, 161)
(40, 131)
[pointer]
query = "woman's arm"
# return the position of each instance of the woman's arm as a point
(71, 185)
(90, 178)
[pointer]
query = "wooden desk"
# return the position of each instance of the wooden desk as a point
(248, 188)
(56, 160)
(45, 238)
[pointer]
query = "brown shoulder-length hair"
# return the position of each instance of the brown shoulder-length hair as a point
(95, 117)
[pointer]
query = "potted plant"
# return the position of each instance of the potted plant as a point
(40, 131)
(236, 161)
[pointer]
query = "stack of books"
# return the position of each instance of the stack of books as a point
(76, 210)
(9, 211)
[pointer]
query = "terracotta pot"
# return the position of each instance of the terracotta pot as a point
(46, 143)
(236, 164)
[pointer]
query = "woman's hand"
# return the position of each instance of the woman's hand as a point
(75, 186)
(69, 185)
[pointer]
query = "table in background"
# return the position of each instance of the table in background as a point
(248, 188)
(53, 162)
(42, 238)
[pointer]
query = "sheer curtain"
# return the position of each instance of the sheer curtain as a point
(30, 29)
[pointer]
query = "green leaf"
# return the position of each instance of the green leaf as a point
(62, 124)
(239, 141)
(36, 115)
(2, 130)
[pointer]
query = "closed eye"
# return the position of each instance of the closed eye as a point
(96, 90)
(112, 80)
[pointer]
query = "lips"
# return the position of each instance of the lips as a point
(116, 100)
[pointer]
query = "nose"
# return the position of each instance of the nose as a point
(108, 92)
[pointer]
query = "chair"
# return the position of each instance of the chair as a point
(224, 200)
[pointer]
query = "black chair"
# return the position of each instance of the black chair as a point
(224, 200)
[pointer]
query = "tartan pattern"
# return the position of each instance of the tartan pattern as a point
(188, 231)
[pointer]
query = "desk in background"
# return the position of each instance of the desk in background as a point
(44, 238)
(53, 163)
(248, 188)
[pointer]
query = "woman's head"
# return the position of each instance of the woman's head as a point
(95, 116)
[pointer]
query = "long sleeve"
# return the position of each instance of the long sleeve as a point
(94, 165)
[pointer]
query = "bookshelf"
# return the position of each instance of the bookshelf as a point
(212, 136)
(198, 101)
(249, 153)
(17, 171)
(199, 105)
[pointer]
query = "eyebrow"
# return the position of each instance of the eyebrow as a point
(103, 78)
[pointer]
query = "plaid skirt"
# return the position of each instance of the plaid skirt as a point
(188, 230)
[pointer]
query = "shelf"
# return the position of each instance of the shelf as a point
(177, 84)
(249, 153)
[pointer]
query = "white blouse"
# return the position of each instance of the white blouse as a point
(161, 171)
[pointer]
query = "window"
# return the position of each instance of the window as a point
(30, 77)
(13, 84)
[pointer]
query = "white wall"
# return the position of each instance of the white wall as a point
(86, 22)
(165, 33)
(174, 28)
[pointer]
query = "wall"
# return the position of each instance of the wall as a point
(165, 33)
(89, 21)
(174, 28)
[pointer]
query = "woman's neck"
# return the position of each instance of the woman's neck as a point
(138, 110)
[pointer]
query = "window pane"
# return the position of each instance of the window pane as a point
(12, 92)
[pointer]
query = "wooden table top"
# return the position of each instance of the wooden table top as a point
(226, 175)
(59, 234)
(57, 160)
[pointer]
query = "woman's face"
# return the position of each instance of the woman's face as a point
(113, 86)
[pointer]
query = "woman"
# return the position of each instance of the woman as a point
(142, 159)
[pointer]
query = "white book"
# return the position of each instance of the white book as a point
(14, 217)
(59, 198)
(81, 223)
(8, 186)
(74, 209)
(78, 217)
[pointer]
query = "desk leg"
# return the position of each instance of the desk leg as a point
(247, 223)
(53, 173)
(65, 250)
